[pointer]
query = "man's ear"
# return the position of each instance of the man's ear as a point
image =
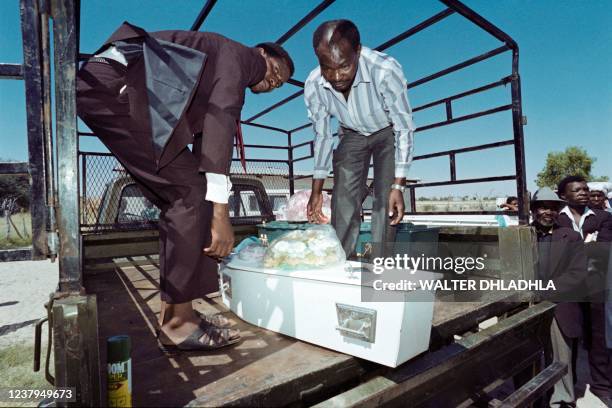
(262, 52)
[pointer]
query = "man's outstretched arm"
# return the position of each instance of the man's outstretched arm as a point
(219, 128)
(323, 149)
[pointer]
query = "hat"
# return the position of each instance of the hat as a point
(545, 194)
(597, 186)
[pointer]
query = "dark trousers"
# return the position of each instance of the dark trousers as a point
(351, 165)
(565, 350)
(600, 356)
(177, 189)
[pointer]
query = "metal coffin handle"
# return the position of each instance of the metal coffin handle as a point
(356, 322)
(226, 285)
(356, 333)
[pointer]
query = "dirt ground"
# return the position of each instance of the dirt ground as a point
(17, 235)
(26, 286)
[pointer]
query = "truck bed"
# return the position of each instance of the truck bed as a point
(265, 369)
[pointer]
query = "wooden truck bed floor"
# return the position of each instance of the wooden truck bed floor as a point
(264, 369)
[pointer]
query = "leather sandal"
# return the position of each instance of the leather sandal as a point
(213, 338)
(216, 319)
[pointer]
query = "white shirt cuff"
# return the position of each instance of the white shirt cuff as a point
(218, 188)
(320, 174)
(401, 170)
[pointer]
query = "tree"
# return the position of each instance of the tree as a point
(574, 161)
(15, 185)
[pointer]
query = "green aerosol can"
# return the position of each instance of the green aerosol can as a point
(119, 374)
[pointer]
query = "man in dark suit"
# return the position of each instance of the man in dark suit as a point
(561, 258)
(147, 96)
(595, 227)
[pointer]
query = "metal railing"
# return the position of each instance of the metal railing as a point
(36, 67)
(514, 105)
(112, 201)
(35, 73)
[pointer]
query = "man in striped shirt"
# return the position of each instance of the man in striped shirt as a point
(365, 91)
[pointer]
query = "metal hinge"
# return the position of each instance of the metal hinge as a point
(524, 120)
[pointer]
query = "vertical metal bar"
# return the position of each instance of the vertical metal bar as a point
(519, 149)
(412, 199)
(65, 59)
(75, 345)
(48, 135)
(290, 159)
(449, 109)
(30, 30)
(85, 208)
(453, 169)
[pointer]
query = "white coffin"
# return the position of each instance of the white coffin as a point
(324, 307)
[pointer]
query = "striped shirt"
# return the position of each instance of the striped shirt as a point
(378, 98)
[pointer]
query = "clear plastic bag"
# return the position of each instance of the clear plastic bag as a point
(314, 247)
(296, 208)
(281, 215)
(252, 252)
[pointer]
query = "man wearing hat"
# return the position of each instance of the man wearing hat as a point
(598, 196)
(561, 258)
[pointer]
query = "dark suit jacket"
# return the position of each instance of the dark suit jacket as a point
(567, 268)
(598, 253)
(601, 221)
(192, 82)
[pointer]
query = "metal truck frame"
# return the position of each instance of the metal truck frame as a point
(56, 194)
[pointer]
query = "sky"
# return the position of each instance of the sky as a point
(565, 66)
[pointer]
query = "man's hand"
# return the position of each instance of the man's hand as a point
(396, 206)
(509, 207)
(314, 210)
(222, 233)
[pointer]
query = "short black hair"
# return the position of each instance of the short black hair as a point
(511, 199)
(342, 29)
(569, 179)
(276, 51)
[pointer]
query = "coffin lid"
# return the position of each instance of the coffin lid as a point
(333, 274)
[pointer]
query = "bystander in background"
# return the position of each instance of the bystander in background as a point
(561, 258)
(595, 228)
